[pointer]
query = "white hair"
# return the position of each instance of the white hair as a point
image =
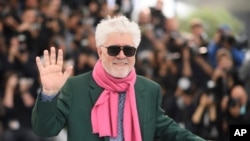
(118, 24)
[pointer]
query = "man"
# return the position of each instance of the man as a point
(87, 104)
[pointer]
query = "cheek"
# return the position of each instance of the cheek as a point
(106, 59)
(102, 54)
(131, 60)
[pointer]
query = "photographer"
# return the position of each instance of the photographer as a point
(225, 75)
(205, 116)
(224, 38)
(235, 108)
(85, 55)
(192, 51)
(200, 37)
(17, 103)
(28, 29)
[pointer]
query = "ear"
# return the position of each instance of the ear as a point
(99, 51)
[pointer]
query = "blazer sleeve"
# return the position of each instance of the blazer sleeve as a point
(48, 118)
(168, 130)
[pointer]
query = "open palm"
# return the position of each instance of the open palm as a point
(51, 71)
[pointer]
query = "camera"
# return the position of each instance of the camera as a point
(211, 89)
(22, 43)
(177, 40)
(241, 41)
(232, 102)
(238, 41)
(228, 39)
(50, 19)
(172, 56)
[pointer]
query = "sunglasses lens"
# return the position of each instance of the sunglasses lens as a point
(129, 51)
(115, 50)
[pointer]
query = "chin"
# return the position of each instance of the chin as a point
(118, 71)
(120, 74)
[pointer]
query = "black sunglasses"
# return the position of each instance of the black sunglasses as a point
(114, 50)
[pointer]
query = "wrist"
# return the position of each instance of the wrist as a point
(49, 92)
(10, 91)
(47, 98)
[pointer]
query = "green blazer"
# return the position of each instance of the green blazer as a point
(72, 107)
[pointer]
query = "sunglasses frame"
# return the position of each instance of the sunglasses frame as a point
(128, 51)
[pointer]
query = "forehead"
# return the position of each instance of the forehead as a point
(119, 39)
(238, 92)
(224, 58)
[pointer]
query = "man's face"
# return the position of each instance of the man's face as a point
(120, 65)
(225, 63)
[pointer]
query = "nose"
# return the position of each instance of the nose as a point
(121, 54)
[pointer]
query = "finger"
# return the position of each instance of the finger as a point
(52, 55)
(39, 64)
(60, 58)
(46, 58)
(68, 72)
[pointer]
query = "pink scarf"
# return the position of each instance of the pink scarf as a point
(104, 115)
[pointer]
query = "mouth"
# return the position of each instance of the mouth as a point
(120, 63)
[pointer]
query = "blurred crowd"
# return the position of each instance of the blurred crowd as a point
(205, 81)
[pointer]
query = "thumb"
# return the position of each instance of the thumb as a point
(68, 71)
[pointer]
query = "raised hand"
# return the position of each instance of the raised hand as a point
(51, 71)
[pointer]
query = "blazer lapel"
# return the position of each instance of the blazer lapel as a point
(95, 91)
(140, 100)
